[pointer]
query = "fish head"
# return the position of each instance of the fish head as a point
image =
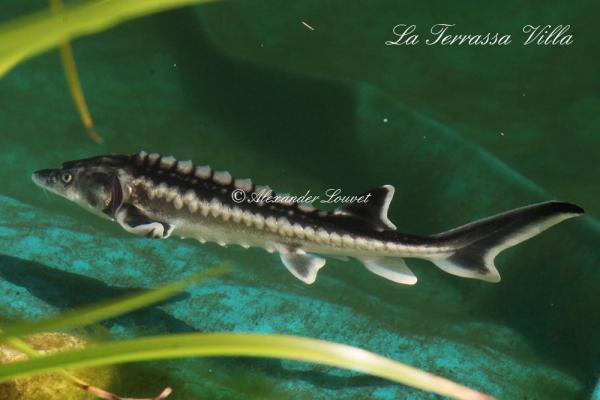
(92, 183)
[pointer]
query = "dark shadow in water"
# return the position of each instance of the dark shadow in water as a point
(306, 123)
(559, 320)
(321, 379)
(66, 290)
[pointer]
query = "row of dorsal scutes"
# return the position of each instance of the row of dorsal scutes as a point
(223, 178)
(203, 172)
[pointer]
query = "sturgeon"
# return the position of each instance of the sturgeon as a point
(157, 197)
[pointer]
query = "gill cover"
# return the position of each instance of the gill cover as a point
(92, 183)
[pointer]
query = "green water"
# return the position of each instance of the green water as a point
(461, 132)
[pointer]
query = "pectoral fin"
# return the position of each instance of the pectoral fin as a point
(394, 269)
(302, 265)
(133, 220)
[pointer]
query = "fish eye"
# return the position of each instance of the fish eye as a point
(66, 177)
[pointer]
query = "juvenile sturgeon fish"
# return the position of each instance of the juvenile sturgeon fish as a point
(158, 196)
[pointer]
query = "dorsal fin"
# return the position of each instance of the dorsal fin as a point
(374, 210)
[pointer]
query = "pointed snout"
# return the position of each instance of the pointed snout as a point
(45, 178)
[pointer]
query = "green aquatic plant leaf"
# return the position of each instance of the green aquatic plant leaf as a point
(70, 68)
(98, 392)
(205, 345)
(26, 37)
(89, 315)
(67, 60)
(246, 345)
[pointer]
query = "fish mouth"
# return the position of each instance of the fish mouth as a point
(44, 178)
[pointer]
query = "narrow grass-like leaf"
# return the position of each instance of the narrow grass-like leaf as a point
(30, 352)
(112, 308)
(23, 347)
(72, 76)
(67, 60)
(248, 345)
(26, 37)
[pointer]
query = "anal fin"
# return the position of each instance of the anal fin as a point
(302, 265)
(394, 269)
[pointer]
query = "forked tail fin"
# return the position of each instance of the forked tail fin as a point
(478, 243)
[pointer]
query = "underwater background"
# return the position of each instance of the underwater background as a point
(461, 132)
